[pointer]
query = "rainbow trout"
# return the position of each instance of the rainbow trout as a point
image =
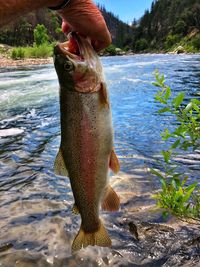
(86, 149)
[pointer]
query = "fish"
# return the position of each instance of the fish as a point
(87, 147)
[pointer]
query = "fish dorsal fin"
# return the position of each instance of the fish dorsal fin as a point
(110, 201)
(59, 165)
(104, 96)
(114, 162)
(98, 238)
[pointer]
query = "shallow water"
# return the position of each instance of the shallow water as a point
(37, 226)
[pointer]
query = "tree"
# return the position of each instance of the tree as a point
(180, 27)
(141, 45)
(40, 35)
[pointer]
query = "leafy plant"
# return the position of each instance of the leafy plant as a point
(17, 53)
(196, 42)
(41, 51)
(141, 45)
(111, 49)
(171, 40)
(40, 35)
(176, 196)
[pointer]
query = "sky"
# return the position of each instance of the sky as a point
(127, 10)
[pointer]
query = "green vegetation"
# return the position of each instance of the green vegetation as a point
(18, 53)
(41, 51)
(176, 196)
(171, 41)
(169, 24)
(111, 50)
(141, 45)
(40, 35)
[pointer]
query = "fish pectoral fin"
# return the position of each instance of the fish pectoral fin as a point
(104, 96)
(59, 165)
(98, 238)
(114, 162)
(75, 209)
(111, 201)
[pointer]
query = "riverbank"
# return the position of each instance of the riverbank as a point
(8, 62)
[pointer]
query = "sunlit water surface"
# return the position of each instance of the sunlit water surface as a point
(37, 226)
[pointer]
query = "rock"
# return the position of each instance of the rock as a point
(119, 52)
(179, 50)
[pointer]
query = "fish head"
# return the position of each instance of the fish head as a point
(77, 65)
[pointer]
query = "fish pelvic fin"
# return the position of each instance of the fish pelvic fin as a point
(59, 165)
(104, 96)
(98, 238)
(114, 162)
(111, 201)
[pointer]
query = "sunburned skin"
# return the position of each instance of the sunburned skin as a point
(92, 22)
(86, 149)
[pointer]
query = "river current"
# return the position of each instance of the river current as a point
(37, 226)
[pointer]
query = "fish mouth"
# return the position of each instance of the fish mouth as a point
(71, 48)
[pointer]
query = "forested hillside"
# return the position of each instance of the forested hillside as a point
(20, 32)
(167, 23)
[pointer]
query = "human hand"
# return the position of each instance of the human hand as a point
(84, 17)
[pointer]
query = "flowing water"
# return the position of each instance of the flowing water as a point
(37, 226)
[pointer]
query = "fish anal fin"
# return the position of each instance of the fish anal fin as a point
(75, 209)
(111, 201)
(104, 96)
(59, 165)
(114, 162)
(98, 238)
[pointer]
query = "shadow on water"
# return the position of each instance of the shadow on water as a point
(37, 226)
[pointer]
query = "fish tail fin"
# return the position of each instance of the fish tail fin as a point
(98, 238)
(111, 201)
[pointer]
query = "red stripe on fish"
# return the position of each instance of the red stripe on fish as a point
(88, 158)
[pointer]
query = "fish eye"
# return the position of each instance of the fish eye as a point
(68, 66)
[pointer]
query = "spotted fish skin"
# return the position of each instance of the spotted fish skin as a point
(86, 137)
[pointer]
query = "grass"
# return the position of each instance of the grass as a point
(42, 51)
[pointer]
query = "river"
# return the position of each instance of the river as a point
(37, 226)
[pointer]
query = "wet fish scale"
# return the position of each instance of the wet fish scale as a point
(87, 164)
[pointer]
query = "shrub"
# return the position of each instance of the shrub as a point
(176, 196)
(141, 45)
(196, 42)
(17, 53)
(111, 49)
(41, 51)
(171, 40)
(40, 35)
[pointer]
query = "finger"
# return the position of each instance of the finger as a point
(86, 18)
(99, 45)
(66, 28)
